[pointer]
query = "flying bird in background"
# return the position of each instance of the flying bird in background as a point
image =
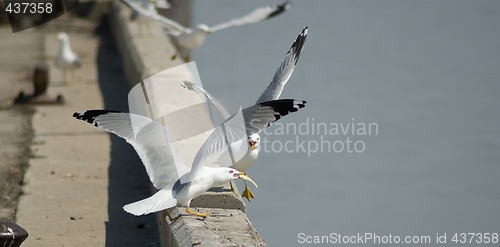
(192, 38)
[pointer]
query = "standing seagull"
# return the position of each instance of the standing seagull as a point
(262, 114)
(67, 59)
(177, 184)
(193, 38)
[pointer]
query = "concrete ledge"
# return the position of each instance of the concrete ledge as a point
(145, 54)
(223, 227)
(220, 197)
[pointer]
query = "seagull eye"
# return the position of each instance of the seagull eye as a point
(230, 172)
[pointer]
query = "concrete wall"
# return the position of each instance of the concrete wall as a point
(146, 50)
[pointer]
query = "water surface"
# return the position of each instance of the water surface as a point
(426, 72)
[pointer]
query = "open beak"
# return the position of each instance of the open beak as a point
(242, 175)
(252, 144)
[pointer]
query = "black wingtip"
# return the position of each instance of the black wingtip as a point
(298, 44)
(280, 8)
(284, 106)
(89, 116)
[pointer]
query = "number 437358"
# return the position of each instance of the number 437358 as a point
(33, 8)
(479, 238)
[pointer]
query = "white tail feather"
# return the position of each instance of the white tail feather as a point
(161, 200)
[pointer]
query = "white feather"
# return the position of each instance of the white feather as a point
(161, 200)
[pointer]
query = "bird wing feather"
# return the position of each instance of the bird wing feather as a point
(285, 70)
(149, 138)
(262, 115)
(161, 200)
(173, 27)
(230, 131)
(257, 15)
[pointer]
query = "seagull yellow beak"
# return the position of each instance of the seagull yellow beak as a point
(252, 144)
(242, 175)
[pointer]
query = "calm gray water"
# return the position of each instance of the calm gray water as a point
(425, 73)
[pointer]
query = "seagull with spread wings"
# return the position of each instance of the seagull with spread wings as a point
(262, 114)
(177, 184)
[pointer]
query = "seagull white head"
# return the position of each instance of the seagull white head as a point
(254, 141)
(222, 175)
(62, 36)
(241, 175)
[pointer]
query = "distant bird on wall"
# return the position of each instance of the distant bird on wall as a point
(67, 59)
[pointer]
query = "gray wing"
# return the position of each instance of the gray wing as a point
(260, 116)
(146, 8)
(77, 63)
(149, 139)
(256, 117)
(285, 70)
(230, 131)
(258, 15)
(218, 111)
